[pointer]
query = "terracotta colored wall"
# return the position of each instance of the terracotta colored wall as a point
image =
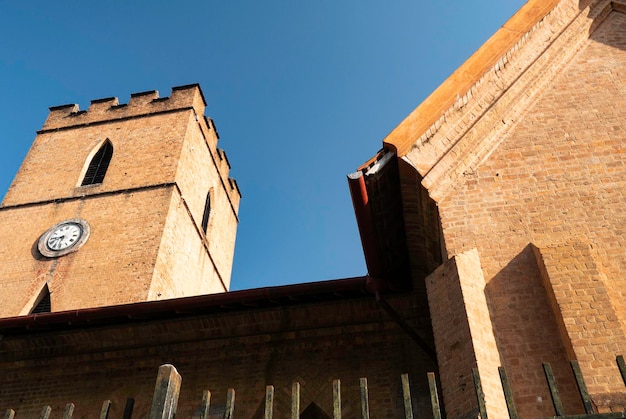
(145, 216)
(311, 343)
(464, 336)
(557, 175)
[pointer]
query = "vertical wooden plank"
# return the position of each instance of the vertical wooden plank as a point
(269, 402)
(365, 403)
(434, 396)
(166, 391)
(128, 408)
(622, 367)
(295, 400)
(554, 391)
(406, 396)
(69, 411)
(104, 412)
(582, 387)
(206, 404)
(230, 404)
(508, 394)
(9, 414)
(480, 395)
(45, 412)
(336, 399)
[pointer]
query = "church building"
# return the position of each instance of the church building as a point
(492, 223)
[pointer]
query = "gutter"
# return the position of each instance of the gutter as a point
(364, 219)
(376, 281)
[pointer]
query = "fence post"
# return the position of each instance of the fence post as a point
(365, 403)
(45, 412)
(166, 391)
(230, 403)
(269, 402)
(69, 411)
(128, 408)
(206, 404)
(406, 396)
(9, 414)
(104, 412)
(554, 391)
(336, 399)
(622, 367)
(434, 396)
(295, 400)
(508, 394)
(582, 387)
(480, 394)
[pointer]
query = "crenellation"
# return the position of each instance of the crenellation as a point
(224, 157)
(143, 98)
(189, 95)
(140, 104)
(99, 106)
(58, 113)
(234, 185)
(212, 124)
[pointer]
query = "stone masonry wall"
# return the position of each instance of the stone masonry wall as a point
(312, 343)
(114, 266)
(557, 175)
(145, 215)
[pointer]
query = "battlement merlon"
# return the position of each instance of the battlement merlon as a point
(143, 103)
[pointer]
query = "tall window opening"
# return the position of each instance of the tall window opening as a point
(43, 302)
(99, 165)
(207, 212)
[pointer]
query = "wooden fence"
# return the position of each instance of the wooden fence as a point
(168, 383)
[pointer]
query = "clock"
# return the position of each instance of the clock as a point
(63, 238)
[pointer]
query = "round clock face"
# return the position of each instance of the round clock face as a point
(63, 238)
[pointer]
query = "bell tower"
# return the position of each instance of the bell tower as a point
(118, 204)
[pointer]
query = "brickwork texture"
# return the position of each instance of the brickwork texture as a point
(247, 350)
(146, 241)
(528, 170)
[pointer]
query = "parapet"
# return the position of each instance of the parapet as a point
(143, 103)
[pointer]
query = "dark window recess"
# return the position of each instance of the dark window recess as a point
(99, 165)
(43, 306)
(207, 213)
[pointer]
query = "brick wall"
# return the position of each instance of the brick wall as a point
(145, 216)
(312, 343)
(555, 174)
(464, 336)
(532, 157)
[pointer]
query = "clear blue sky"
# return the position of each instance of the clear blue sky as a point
(302, 92)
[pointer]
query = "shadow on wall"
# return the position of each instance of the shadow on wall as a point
(527, 335)
(596, 32)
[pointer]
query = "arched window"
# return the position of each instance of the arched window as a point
(99, 165)
(207, 212)
(43, 304)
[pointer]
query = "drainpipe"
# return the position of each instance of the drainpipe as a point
(360, 201)
(375, 282)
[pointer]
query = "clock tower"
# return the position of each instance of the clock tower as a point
(118, 204)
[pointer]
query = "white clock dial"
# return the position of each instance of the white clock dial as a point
(64, 236)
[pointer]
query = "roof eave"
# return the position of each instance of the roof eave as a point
(401, 138)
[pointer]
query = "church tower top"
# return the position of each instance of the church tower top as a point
(106, 109)
(118, 204)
